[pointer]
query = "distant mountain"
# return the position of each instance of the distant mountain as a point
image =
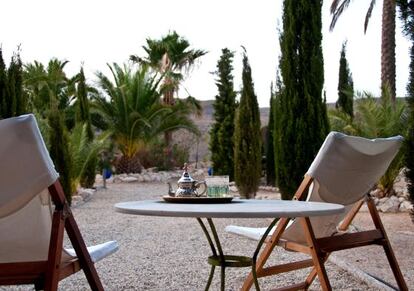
(204, 123)
(208, 112)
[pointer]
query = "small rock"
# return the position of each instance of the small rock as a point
(377, 193)
(233, 188)
(383, 200)
(364, 208)
(390, 205)
(129, 179)
(117, 179)
(85, 194)
(406, 206)
(76, 200)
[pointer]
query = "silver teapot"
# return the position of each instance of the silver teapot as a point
(187, 186)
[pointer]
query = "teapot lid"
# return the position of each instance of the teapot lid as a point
(186, 178)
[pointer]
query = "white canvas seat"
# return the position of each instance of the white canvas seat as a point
(343, 172)
(34, 214)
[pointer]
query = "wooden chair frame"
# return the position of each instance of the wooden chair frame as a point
(320, 248)
(47, 274)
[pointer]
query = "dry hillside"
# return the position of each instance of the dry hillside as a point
(204, 124)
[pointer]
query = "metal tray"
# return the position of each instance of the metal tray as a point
(198, 200)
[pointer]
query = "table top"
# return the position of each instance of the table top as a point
(238, 208)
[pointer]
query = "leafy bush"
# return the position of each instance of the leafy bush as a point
(156, 153)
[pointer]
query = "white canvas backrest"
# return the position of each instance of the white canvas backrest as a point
(26, 171)
(347, 167)
(26, 168)
(344, 170)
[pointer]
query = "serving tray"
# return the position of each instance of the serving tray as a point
(197, 200)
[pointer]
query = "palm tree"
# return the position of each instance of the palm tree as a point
(134, 112)
(49, 92)
(47, 85)
(169, 56)
(387, 38)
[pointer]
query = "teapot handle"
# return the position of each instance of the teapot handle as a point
(198, 184)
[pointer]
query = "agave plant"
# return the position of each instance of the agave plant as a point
(373, 118)
(132, 109)
(83, 150)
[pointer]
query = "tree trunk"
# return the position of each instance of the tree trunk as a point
(388, 47)
(128, 165)
(168, 99)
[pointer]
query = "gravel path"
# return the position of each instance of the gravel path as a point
(158, 253)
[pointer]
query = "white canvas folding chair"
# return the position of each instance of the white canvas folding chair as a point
(343, 172)
(31, 227)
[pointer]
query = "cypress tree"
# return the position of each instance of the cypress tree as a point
(302, 121)
(59, 150)
(409, 157)
(87, 178)
(221, 134)
(15, 80)
(276, 125)
(407, 14)
(3, 86)
(270, 154)
(345, 85)
(12, 101)
(82, 110)
(247, 138)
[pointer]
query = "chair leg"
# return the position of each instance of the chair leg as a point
(265, 254)
(55, 252)
(58, 197)
(313, 273)
(387, 246)
(271, 244)
(82, 253)
(317, 256)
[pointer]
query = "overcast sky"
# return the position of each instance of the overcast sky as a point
(95, 32)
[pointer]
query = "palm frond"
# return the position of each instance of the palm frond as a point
(337, 8)
(368, 15)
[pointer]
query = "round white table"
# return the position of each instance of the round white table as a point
(236, 209)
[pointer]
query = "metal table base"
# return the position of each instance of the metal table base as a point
(219, 259)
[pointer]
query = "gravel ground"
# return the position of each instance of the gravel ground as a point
(159, 253)
(372, 259)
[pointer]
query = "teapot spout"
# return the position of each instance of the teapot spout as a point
(171, 192)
